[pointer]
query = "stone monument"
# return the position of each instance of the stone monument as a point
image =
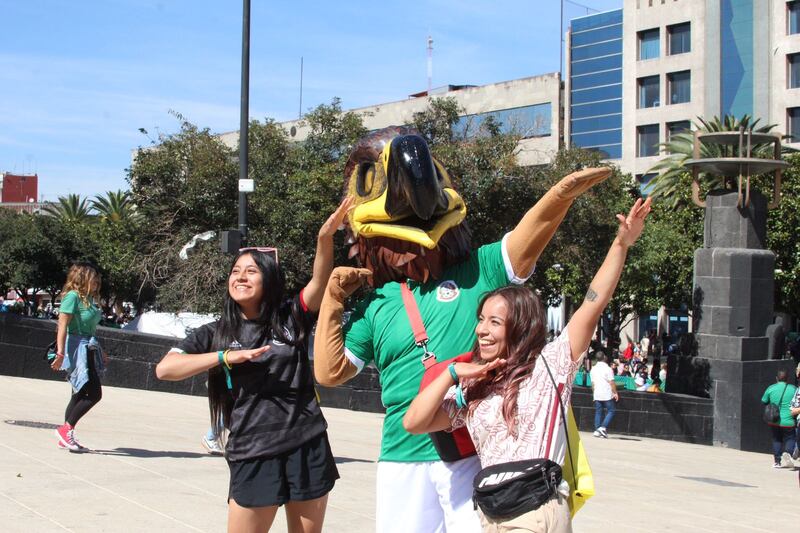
(734, 283)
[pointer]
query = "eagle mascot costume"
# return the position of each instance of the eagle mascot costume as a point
(407, 229)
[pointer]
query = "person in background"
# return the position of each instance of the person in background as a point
(794, 410)
(77, 350)
(604, 394)
(783, 433)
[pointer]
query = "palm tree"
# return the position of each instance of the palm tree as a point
(115, 206)
(673, 176)
(70, 208)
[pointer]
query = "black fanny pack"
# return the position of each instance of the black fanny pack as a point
(508, 490)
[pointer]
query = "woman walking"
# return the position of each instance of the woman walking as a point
(511, 395)
(77, 350)
(260, 387)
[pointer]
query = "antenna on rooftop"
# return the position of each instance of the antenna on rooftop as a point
(430, 64)
(300, 112)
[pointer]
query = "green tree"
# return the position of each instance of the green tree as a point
(185, 185)
(115, 206)
(70, 209)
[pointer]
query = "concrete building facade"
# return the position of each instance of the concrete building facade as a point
(530, 107)
(679, 60)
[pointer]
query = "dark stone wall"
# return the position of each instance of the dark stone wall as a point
(663, 416)
(133, 357)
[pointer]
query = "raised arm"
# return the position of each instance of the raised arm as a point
(526, 242)
(176, 366)
(426, 414)
(331, 365)
(323, 260)
(583, 322)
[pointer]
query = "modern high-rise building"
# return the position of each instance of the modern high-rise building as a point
(637, 75)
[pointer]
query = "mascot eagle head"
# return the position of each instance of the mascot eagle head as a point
(408, 220)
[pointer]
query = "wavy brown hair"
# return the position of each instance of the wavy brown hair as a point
(83, 278)
(525, 338)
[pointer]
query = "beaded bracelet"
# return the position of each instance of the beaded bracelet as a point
(452, 369)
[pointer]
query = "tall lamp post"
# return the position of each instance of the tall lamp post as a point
(233, 240)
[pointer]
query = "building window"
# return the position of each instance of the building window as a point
(648, 91)
(680, 38)
(647, 140)
(793, 17)
(793, 114)
(680, 87)
(673, 128)
(794, 70)
(648, 44)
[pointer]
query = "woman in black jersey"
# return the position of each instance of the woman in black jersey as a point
(260, 387)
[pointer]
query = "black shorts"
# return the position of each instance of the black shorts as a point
(304, 473)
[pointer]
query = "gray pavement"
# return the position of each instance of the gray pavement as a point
(148, 472)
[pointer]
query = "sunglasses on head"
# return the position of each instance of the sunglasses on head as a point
(262, 249)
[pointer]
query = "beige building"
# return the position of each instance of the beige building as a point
(529, 107)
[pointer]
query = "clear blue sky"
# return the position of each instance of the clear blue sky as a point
(78, 79)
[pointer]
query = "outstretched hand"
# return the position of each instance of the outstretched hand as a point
(336, 219)
(346, 280)
(577, 183)
(630, 227)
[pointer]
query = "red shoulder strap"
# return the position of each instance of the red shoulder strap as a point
(412, 310)
(417, 326)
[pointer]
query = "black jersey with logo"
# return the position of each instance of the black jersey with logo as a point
(275, 407)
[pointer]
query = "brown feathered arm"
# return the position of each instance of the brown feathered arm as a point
(527, 241)
(331, 365)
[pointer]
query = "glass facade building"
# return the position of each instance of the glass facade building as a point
(527, 122)
(736, 57)
(595, 96)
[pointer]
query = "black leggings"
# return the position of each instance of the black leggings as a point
(87, 397)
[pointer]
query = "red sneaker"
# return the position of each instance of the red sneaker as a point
(65, 438)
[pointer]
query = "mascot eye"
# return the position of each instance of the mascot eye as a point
(365, 180)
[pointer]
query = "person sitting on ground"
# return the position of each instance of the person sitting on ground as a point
(507, 395)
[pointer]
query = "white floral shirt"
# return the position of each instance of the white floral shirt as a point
(540, 432)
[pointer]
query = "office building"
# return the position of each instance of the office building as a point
(637, 75)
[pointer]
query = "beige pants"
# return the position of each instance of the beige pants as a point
(552, 517)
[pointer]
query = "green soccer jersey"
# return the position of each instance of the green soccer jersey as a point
(84, 318)
(379, 331)
(783, 393)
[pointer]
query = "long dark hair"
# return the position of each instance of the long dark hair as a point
(275, 312)
(525, 338)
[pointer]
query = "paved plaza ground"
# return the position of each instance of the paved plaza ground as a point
(148, 472)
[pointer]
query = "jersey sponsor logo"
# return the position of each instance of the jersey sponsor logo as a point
(447, 291)
(287, 334)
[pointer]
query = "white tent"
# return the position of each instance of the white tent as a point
(168, 324)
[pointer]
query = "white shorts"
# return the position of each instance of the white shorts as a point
(427, 497)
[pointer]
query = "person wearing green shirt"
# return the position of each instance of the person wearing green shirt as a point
(781, 393)
(78, 352)
(407, 227)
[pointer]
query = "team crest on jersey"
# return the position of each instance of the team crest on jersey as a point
(447, 291)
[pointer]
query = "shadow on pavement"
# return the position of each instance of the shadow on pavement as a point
(342, 460)
(147, 454)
